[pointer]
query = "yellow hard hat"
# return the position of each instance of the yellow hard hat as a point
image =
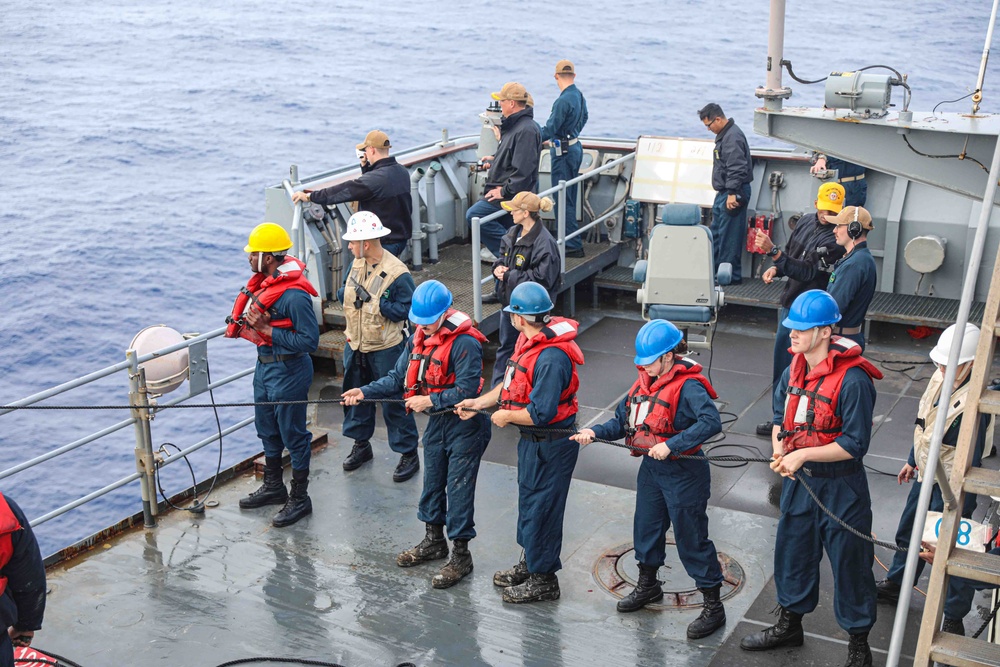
(268, 237)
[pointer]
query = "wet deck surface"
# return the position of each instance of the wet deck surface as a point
(199, 591)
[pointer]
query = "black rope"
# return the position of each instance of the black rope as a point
(320, 401)
(287, 661)
(988, 620)
(708, 458)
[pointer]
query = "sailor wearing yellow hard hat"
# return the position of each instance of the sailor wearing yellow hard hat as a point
(279, 318)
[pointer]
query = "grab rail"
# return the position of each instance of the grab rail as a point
(560, 190)
(147, 466)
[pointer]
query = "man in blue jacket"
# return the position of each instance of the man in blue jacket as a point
(852, 282)
(566, 121)
(383, 189)
(732, 172)
(22, 581)
(514, 167)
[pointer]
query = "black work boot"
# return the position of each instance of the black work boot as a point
(765, 429)
(361, 453)
(536, 588)
(953, 625)
(859, 654)
(432, 547)
(299, 504)
(786, 632)
(407, 467)
(713, 614)
(887, 591)
(512, 576)
(272, 491)
(459, 566)
(647, 590)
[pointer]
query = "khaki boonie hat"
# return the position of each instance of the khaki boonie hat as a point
(565, 67)
(512, 91)
(375, 139)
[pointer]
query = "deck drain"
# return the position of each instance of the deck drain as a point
(616, 572)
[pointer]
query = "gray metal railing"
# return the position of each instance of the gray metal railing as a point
(143, 410)
(560, 191)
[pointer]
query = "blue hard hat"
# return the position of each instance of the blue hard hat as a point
(529, 299)
(430, 301)
(655, 339)
(813, 308)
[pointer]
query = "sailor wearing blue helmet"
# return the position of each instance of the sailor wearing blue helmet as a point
(538, 389)
(669, 411)
(441, 365)
(823, 408)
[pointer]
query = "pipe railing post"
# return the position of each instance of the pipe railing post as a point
(950, 371)
(772, 93)
(145, 464)
(477, 273)
(416, 231)
(561, 225)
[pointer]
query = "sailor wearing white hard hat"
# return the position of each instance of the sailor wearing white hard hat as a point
(927, 410)
(376, 296)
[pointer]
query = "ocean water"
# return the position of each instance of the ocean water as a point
(136, 140)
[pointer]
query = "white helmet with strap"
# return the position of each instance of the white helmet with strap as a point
(970, 341)
(365, 226)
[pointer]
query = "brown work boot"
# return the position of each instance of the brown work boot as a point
(456, 569)
(536, 588)
(513, 576)
(432, 547)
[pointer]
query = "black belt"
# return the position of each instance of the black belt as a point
(840, 471)
(542, 437)
(271, 358)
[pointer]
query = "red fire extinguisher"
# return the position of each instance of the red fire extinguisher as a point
(764, 224)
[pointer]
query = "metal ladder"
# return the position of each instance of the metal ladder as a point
(949, 561)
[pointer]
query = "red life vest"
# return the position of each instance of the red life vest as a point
(261, 292)
(519, 376)
(814, 422)
(652, 404)
(8, 525)
(428, 371)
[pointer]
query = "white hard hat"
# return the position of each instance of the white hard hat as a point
(970, 341)
(365, 226)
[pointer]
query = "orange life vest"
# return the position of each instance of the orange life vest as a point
(428, 371)
(813, 422)
(515, 393)
(652, 404)
(261, 292)
(8, 525)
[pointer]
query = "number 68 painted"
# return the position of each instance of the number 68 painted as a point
(964, 532)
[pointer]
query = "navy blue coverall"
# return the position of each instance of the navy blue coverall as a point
(905, 527)
(675, 491)
(545, 467)
(566, 121)
(284, 426)
(362, 368)
(805, 531)
(855, 189)
(732, 173)
(23, 602)
(452, 448)
(852, 285)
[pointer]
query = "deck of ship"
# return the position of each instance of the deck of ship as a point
(197, 591)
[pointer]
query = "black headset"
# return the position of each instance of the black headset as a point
(854, 227)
